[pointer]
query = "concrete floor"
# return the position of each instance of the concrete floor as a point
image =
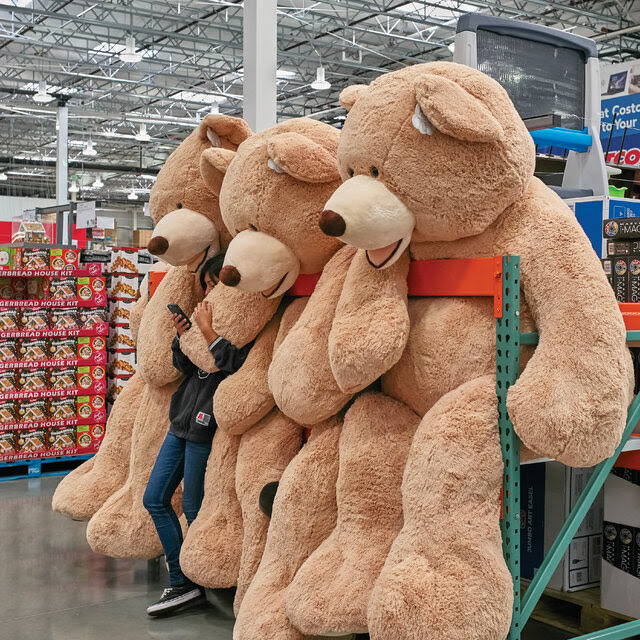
(54, 587)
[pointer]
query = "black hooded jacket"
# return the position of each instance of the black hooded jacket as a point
(191, 410)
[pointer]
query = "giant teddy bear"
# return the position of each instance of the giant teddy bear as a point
(188, 229)
(272, 191)
(437, 164)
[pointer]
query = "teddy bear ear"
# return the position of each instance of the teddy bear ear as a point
(213, 165)
(302, 158)
(349, 95)
(445, 105)
(224, 131)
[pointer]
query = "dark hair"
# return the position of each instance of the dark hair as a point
(212, 267)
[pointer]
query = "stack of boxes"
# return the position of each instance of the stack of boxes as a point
(622, 264)
(53, 335)
(124, 269)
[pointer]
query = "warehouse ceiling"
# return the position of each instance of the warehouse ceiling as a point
(191, 64)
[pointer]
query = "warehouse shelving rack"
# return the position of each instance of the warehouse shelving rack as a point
(499, 278)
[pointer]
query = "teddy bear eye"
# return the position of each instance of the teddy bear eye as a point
(350, 172)
(374, 172)
(179, 205)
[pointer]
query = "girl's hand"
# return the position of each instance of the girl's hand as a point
(181, 324)
(202, 316)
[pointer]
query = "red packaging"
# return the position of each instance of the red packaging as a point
(9, 350)
(92, 409)
(34, 349)
(64, 259)
(88, 317)
(32, 379)
(61, 438)
(63, 348)
(62, 408)
(34, 259)
(8, 411)
(8, 443)
(13, 288)
(90, 436)
(62, 378)
(10, 319)
(92, 379)
(34, 319)
(92, 347)
(37, 288)
(8, 380)
(63, 319)
(32, 410)
(31, 440)
(63, 288)
(92, 290)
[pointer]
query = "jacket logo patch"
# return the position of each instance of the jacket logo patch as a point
(203, 418)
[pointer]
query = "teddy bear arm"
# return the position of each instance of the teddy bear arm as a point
(244, 398)
(300, 376)
(371, 325)
(571, 400)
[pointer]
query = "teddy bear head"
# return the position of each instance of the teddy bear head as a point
(186, 213)
(433, 152)
(272, 191)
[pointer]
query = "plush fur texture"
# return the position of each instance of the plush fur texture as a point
(253, 197)
(81, 493)
(122, 527)
(331, 590)
(304, 513)
(446, 141)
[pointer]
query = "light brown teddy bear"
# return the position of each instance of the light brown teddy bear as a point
(435, 158)
(83, 491)
(188, 230)
(272, 192)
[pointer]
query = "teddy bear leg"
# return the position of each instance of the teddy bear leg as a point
(85, 489)
(264, 453)
(330, 592)
(445, 576)
(210, 554)
(122, 527)
(304, 514)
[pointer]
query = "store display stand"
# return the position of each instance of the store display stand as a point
(500, 278)
(41, 467)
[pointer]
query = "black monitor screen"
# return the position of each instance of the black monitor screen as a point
(540, 78)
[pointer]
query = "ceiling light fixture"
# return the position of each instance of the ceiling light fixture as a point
(74, 188)
(142, 135)
(451, 46)
(42, 96)
(320, 83)
(133, 195)
(98, 184)
(3, 177)
(130, 54)
(89, 150)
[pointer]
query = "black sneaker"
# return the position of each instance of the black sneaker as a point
(174, 598)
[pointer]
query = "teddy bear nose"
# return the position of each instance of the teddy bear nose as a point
(332, 223)
(230, 276)
(158, 245)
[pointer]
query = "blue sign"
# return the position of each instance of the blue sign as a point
(620, 129)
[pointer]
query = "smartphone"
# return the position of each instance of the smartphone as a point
(174, 308)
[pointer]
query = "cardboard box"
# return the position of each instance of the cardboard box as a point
(63, 348)
(121, 338)
(89, 287)
(120, 312)
(124, 261)
(63, 377)
(63, 259)
(548, 493)
(11, 258)
(92, 380)
(621, 229)
(92, 409)
(90, 437)
(13, 288)
(620, 588)
(63, 319)
(8, 380)
(32, 380)
(61, 438)
(88, 317)
(32, 410)
(34, 319)
(9, 349)
(10, 319)
(62, 408)
(8, 411)
(8, 443)
(63, 288)
(124, 286)
(620, 275)
(90, 347)
(141, 237)
(34, 259)
(121, 363)
(34, 349)
(30, 440)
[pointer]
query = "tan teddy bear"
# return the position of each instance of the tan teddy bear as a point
(435, 158)
(272, 191)
(188, 230)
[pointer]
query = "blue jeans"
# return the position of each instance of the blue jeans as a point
(178, 459)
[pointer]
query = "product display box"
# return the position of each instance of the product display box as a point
(124, 286)
(121, 363)
(548, 493)
(92, 348)
(121, 338)
(63, 259)
(623, 273)
(621, 229)
(124, 261)
(120, 312)
(620, 588)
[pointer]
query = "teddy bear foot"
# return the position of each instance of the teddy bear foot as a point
(414, 600)
(210, 555)
(121, 530)
(71, 497)
(329, 596)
